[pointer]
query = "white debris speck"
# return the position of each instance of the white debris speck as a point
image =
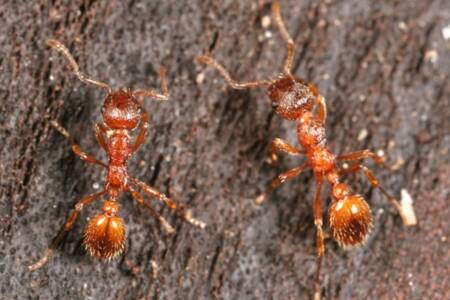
(51, 77)
(402, 26)
(363, 134)
(95, 186)
(432, 56)
(406, 203)
(266, 21)
(380, 152)
(200, 78)
(326, 76)
(446, 32)
(443, 238)
(268, 34)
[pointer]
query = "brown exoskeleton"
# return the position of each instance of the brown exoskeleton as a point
(294, 99)
(123, 111)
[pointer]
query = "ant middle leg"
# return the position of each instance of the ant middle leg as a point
(208, 60)
(278, 145)
(75, 148)
(178, 210)
(276, 12)
(58, 46)
(320, 246)
(141, 93)
(140, 199)
(279, 180)
(65, 229)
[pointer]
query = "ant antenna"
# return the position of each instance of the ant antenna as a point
(58, 46)
(276, 12)
(141, 93)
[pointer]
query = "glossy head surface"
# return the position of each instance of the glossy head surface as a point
(291, 97)
(121, 110)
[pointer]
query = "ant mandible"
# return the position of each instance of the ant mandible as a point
(123, 111)
(294, 99)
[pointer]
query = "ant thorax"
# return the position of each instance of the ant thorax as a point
(291, 97)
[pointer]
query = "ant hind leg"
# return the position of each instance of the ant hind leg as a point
(320, 246)
(140, 199)
(65, 229)
(178, 210)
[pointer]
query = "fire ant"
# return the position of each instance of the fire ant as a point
(123, 111)
(294, 99)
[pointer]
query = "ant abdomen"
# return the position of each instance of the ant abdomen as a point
(350, 220)
(291, 96)
(121, 110)
(104, 237)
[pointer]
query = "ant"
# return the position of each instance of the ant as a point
(294, 99)
(123, 111)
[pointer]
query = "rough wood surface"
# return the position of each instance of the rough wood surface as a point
(383, 67)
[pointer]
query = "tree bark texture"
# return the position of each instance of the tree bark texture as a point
(383, 67)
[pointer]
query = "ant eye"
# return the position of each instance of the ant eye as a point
(275, 104)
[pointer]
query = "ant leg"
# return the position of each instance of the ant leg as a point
(208, 60)
(320, 246)
(75, 148)
(278, 145)
(65, 229)
(143, 127)
(320, 102)
(276, 12)
(140, 93)
(178, 210)
(140, 199)
(408, 219)
(58, 46)
(322, 109)
(279, 180)
(361, 155)
(100, 132)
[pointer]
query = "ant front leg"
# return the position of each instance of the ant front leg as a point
(362, 154)
(179, 211)
(143, 128)
(140, 199)
(75, 148)
(279, 180)
(278, 145)
(140, 93)
(100, 132)
(65, 229)
(320, 246)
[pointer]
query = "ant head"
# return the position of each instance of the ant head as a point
(291, 97)
(350, 220)
(121, 110)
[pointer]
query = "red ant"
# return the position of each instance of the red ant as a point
(123, 111)
(294, 99)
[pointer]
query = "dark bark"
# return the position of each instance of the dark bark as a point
(374, 63)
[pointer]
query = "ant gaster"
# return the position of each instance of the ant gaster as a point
(294, 99)
(123, 111)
